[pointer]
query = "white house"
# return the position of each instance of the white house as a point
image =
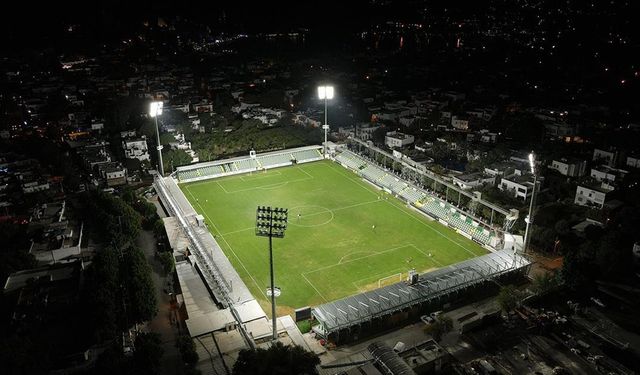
(35, 186)
(607, 174)
(569, 167)
(560, 129)
(459, 123)
(633, 161)
(472, 180)
(397, 139)
(520, 186)
(608, 157)
(136, 148)
(499, 169)
(591, 195)
(114, 174)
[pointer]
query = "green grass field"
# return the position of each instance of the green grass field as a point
(332, 249)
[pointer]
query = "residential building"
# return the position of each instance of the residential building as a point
(569, 167)
(500, 169)
(472, 180)
(607, 175)
(136, 148)
(592, 195)
(608, 157)
(397, 139)
(633, 161)
(459, 123)
(114, 174)
(560, 129)
(520, 186)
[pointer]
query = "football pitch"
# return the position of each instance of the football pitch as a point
(344, 235)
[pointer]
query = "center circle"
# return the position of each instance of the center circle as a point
(310, 216)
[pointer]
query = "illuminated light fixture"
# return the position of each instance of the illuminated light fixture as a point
(325, 93)
(532, 163)
(155, 110)
(272, 222)
(529, 219)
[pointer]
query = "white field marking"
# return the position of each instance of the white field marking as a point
(357, 282)
(355, 252)
(335, 209)
(354, 259)
(357, 182)
(423, 223)
(295, 223)
(237, 231)
(305, 172)
(264, 187)
(430, 227)
(249, 176)
(221, 187)
(314, 288)
(229, 246)
(431, 258)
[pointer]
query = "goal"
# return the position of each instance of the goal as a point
(388, 280)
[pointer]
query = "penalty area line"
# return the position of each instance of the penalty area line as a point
(314, 287)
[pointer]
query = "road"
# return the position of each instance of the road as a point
(162, 324)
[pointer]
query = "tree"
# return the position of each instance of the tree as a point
(158, 228)
(14, 255)
(141, 298)
(167, 261)
(508, 298)
(577, 271)
(440, 327)
(613, 256)
(175, 158)
(112, 361)
(166, 138)
(148, 353)
(187, 349)
(101, 296)
(111, 217)
(277, 359)
(544, 282)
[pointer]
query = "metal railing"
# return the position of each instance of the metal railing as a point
(210, 271)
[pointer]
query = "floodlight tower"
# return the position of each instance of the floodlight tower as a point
(529, 218)
(271, 222)
(155, 110)
(325, 93)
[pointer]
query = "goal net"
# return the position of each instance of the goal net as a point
(388, 280)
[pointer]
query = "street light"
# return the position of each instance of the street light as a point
(155, 110)
(529, 218)
(271, 222)
(325, 93)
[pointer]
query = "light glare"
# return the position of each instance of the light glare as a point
(155, 109)
(325, 92)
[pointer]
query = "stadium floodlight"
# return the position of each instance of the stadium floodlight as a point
(155, 110)
(529, 218)
(272, 222)
(532, 163)
(325, 93)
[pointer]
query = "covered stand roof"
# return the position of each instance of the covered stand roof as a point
(350, 311)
